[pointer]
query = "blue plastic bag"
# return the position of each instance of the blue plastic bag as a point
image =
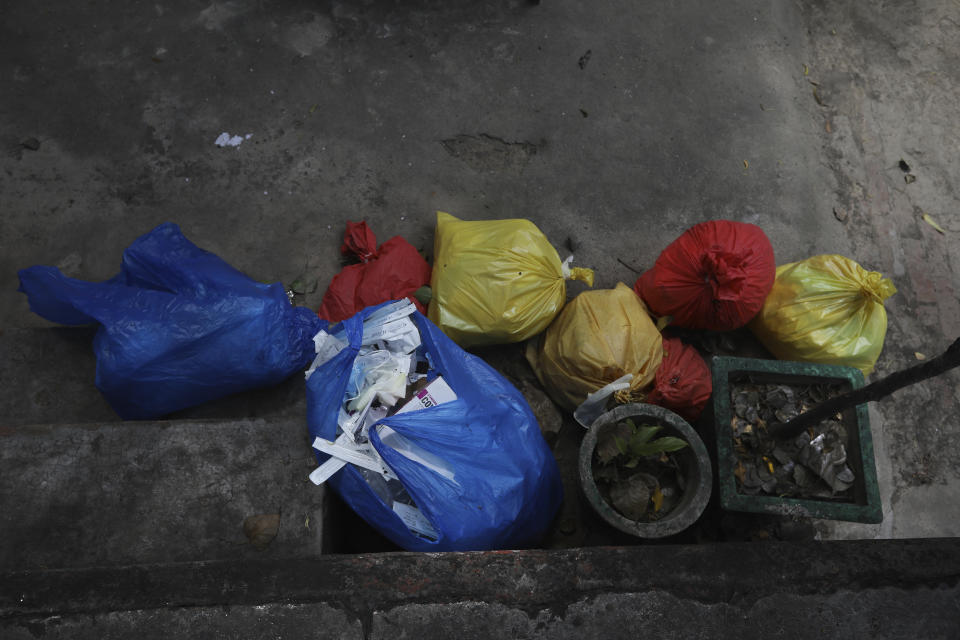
(506, 487)
(178, 325)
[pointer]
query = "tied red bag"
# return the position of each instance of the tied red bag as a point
(683, 382)
(715, 276)
(394, 271)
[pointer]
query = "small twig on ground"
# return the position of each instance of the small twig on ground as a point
(628, 266)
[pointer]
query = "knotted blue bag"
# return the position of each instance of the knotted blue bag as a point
(506, 487)
(178, 325)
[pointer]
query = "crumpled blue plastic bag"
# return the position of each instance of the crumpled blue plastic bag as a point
(506, 487)
(178, 325)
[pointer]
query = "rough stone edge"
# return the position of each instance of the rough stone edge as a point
(531, 580)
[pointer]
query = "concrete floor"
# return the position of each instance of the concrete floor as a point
(613, 124)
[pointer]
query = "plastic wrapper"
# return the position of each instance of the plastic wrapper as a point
(825, 309)
(715, 276)
(496, 281)
(599, 337)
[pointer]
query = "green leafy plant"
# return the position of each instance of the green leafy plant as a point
(636, 472)
(640, 443)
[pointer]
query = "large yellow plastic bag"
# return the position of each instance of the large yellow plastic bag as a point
(496, 281)
(825, 309)
(597, 338)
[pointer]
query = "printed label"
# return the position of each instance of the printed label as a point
(414, 519)
(435, 393)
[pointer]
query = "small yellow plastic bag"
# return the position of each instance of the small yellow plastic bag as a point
(825, 309)
(599, 337)
(496, 281)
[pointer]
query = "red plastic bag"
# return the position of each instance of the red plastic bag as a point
(715, 276)
(683, 382)
(395, 270)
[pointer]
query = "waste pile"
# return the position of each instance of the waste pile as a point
(394, 270)
(496, 281)
(682, 383)
(715, 276)
(425, 441)
(599, 337)
(177, 326)
(825, 309)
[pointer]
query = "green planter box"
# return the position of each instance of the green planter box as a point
(865, 505)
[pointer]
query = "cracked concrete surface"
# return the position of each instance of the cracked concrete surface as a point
(154, 492)
(887, 589)
(793, 116)
(488, 153)
(843, 615)
(349, 105)
(888, 77)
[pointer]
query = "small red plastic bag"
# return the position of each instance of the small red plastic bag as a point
(683, 382)
(715, 276)
(395, 270)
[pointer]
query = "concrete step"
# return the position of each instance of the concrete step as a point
(862, 589)
(108, 494)
(49, 374)
(112, 529)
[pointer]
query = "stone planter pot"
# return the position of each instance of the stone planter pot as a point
(697, 472)
(864, 505)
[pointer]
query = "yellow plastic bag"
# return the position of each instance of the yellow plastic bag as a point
(825, 309)
(496, 281)
(600, 336)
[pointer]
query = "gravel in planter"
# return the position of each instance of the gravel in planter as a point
(811, 466)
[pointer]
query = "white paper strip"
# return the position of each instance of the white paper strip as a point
(353, 456)
(325, 471)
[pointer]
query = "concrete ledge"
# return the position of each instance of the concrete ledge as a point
(60, 384)
(871, 613)
(525, 580)
(117, 494)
